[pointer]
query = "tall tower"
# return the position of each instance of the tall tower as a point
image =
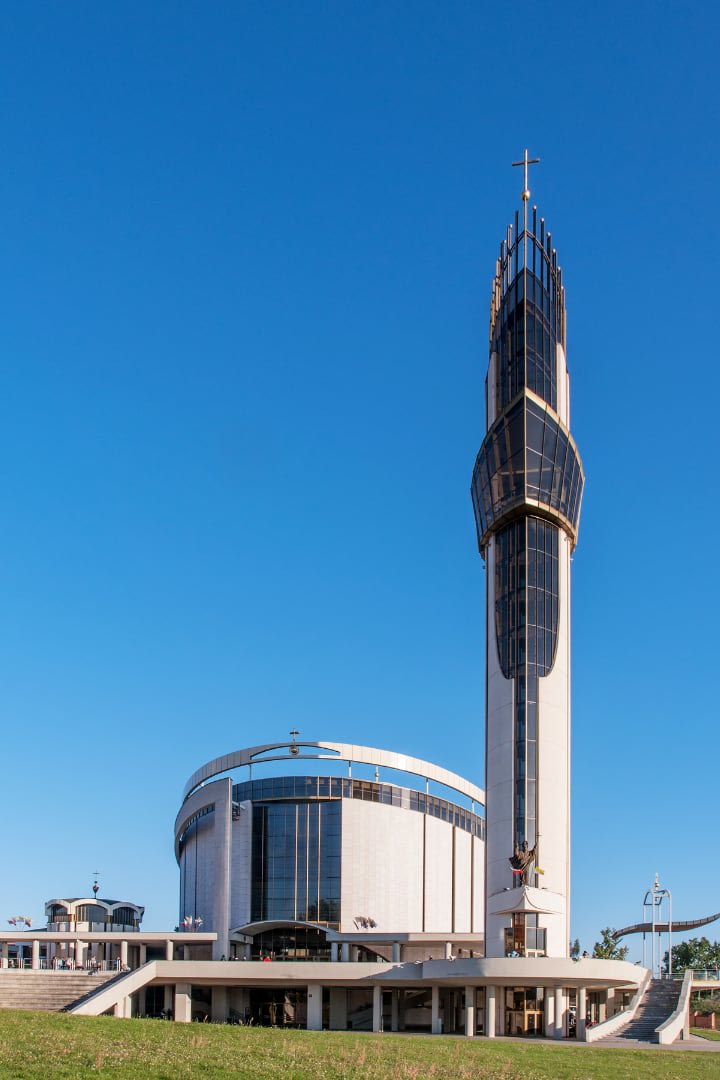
(527, 488)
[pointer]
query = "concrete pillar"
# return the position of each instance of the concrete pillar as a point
(394, 1010)
(581, 1012)
(183, 1003)
(345, 952)
(559, 1026)
(436, 1026)
(79, 954)
(377, 1020)
(143, 955)
(338, 1009)
(35, 954)
(4, 955)
(602, 1011)
(610, 1002)
(314, 1007)
(169, 949)
(218, 1004)
(448, 950)
(354, 953)
(490, 1014)
(549, 1012)
(470, 1011)
(334, 951)
(396, 952)
(123, 953)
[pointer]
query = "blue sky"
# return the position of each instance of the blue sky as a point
(246, 261)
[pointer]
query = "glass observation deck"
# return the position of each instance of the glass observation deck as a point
(528, 463)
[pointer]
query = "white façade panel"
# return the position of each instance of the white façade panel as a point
(438, 874)
(241, 866)
(382, 865)
(462, 893)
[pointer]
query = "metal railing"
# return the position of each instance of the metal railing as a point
(18, 963)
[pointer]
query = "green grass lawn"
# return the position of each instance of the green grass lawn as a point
(706, 1033)
(42, 1045)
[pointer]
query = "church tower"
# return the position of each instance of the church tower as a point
(527, 489)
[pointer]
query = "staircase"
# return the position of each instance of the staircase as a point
(659, 1002)
(47, 991)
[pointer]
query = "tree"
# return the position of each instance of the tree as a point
(575, 949)
(705, 1006)
(607, 948)
(697, 953)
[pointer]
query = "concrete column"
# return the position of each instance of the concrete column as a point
(143, 955)
(354, 952)
(490, 1014)
(559, 1026)
(549, 1012)
(334, 951)
(394, 1010)
(470, 1011)
(395, 952)
(123, 953)
(35, 954)
(183, 1003)
(448, 950)
(169, 949)
(377, 1020)
(119, 1008)
(79, 953)
(218, 1003)
(602, 1011)
(4, 955)
(345, 951)
(338, 1008)
(314, 1007)
(610, 999)
(436, 1026)
(580, 1016)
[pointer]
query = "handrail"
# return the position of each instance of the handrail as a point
(111, 993)
(677, 1024)
(614, 1023)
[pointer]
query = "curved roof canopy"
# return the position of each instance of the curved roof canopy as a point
(331, 751)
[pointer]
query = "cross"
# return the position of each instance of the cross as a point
(525, 162)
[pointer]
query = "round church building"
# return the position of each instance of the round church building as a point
(293, 851)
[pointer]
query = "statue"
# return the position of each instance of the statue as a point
(521, 860)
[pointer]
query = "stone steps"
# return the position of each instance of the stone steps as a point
(47, 991)
(659, 1002)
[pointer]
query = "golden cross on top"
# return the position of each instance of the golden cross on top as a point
(525, 162)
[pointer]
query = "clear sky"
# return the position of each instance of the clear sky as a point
(247, 251)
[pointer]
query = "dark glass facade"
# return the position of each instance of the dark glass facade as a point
(528, 458)
(296, 861)
(528, 316)
(526, 597)
(343, 787)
